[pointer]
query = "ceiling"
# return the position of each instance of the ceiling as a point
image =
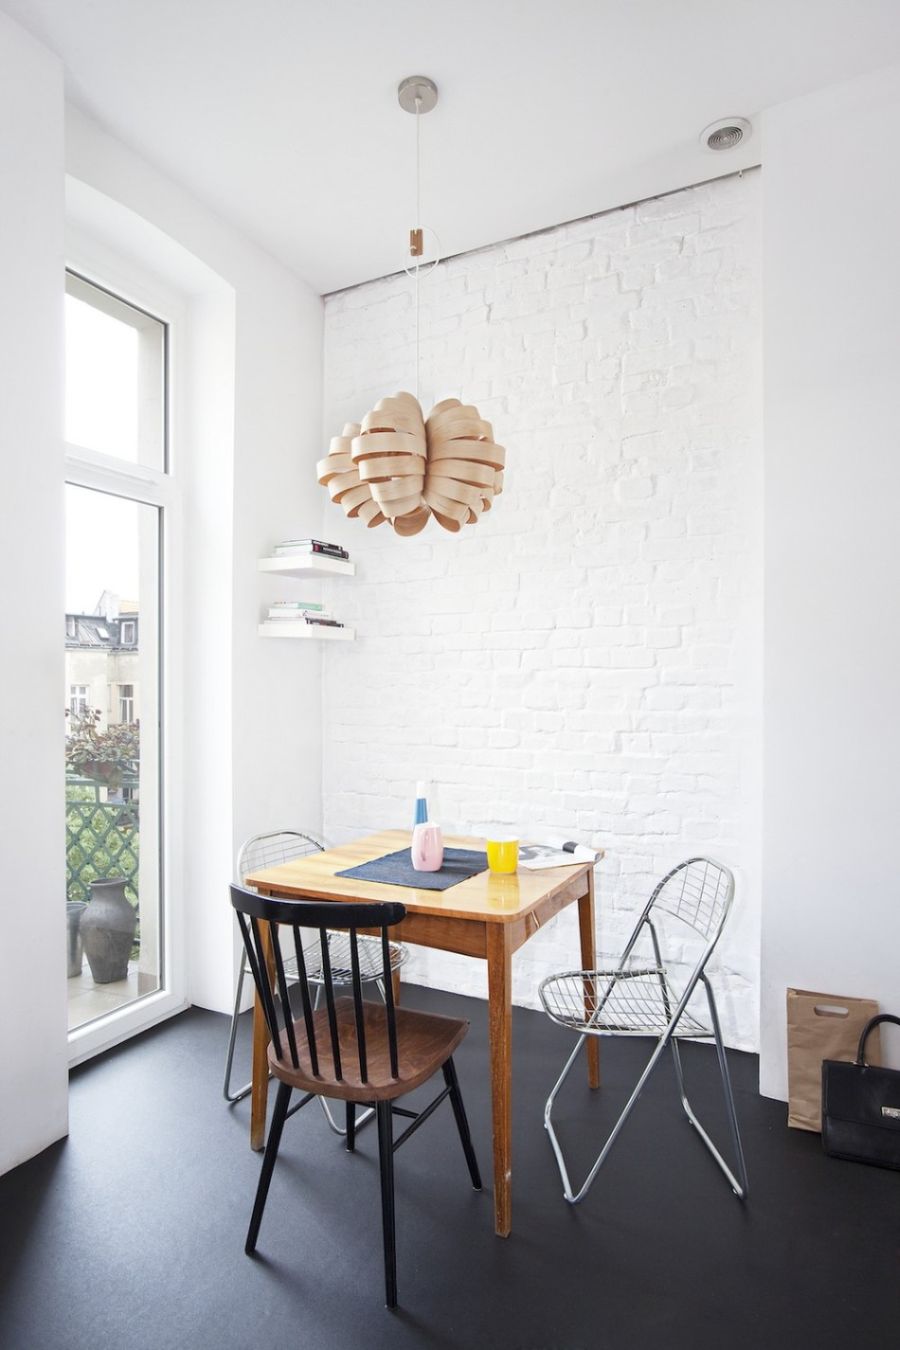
(281, 115)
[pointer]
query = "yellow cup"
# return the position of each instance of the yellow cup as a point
(503, 855)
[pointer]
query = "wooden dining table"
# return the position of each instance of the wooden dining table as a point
(486, 916)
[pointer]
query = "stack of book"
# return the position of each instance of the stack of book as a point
(299, 547)
(306, 611)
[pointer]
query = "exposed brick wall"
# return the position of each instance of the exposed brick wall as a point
(583, 662)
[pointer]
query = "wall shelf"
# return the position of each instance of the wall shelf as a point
(307, 565)
(287, 628)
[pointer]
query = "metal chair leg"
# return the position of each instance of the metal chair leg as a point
(386, 1161)
(739, 1186)
(268, 1165)
(232, 1097)
(462, 1123)
(573, 1197)
(351, 1126)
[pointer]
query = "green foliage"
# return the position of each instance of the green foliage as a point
(106, 756)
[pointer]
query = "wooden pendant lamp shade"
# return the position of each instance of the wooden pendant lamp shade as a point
(400, 467)
(397, 465)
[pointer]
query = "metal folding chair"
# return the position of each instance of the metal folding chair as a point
(268, 850)
(634, 995)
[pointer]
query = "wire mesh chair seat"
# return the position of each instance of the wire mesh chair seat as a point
(370, 968)
(631, 995)
(351, 1048)
(339, 954)
(633, 998)
(270, 850)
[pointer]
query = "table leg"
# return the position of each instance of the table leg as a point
(395, 985)
(588, 959)
(259, 1076)
(499, 964)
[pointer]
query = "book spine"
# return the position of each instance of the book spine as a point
(330, 550)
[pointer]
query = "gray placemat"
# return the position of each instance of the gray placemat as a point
(396, 869)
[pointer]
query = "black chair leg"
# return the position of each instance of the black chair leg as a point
(462, 1123)
(351, 1126)
(268, 1165)
(386, 1160)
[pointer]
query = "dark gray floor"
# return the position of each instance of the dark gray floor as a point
(130, 1233)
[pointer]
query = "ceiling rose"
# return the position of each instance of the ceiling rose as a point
(397, 465)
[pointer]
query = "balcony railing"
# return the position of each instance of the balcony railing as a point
(102, 836)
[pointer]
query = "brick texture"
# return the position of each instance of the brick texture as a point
(584, 662)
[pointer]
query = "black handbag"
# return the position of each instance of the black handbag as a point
(861, 1107)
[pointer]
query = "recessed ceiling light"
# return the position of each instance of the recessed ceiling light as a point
(726, 134)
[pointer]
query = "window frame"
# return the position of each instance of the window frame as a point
(126, 703)
(105, 270)
(82, 699)
(99, 295)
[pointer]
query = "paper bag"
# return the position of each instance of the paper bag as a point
(821, 1026)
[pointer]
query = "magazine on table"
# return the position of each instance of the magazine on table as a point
(537, 857)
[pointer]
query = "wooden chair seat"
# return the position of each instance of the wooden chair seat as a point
(426, 1041)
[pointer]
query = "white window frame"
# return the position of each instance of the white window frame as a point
(102, 267)
(80, 701)
(127, 632)
(126, 704)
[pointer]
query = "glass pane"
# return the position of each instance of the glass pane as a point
(112, 752)
(115, 360)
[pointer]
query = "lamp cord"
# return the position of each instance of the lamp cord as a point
(417, 225)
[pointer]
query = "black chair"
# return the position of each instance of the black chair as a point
(362, 1052)
(269, 850)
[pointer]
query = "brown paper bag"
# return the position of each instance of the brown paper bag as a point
(822, 1026)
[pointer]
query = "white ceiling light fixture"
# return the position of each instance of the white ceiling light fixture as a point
(397, 465)
(726, 134)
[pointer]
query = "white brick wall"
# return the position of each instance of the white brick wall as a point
(583, 662)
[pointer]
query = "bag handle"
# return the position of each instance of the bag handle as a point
(870, 1026)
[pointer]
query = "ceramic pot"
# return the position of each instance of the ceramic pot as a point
(74, 953)
(107, 930)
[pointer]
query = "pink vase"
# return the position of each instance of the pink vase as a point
(427, 847)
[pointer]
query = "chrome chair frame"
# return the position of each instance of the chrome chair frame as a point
(698, 892)
(268, 850)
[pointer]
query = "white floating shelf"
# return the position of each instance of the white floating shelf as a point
(307, 565)
(287, 628)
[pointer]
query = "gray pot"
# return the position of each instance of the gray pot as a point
(74, 953)
(107, 930)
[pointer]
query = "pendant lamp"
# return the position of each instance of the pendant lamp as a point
(397, 465)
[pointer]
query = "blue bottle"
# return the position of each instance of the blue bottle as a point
(420, 814)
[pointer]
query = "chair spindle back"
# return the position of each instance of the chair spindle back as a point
(265, 955)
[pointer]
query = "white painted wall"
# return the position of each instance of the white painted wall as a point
(831, 899)
(33, 1059)
(585, 660)
(256, 335)
(265, 695)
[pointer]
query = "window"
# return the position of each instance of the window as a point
(78, 699)
(126, 702)
(115, 376)
(119, 497)
(71, 626)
